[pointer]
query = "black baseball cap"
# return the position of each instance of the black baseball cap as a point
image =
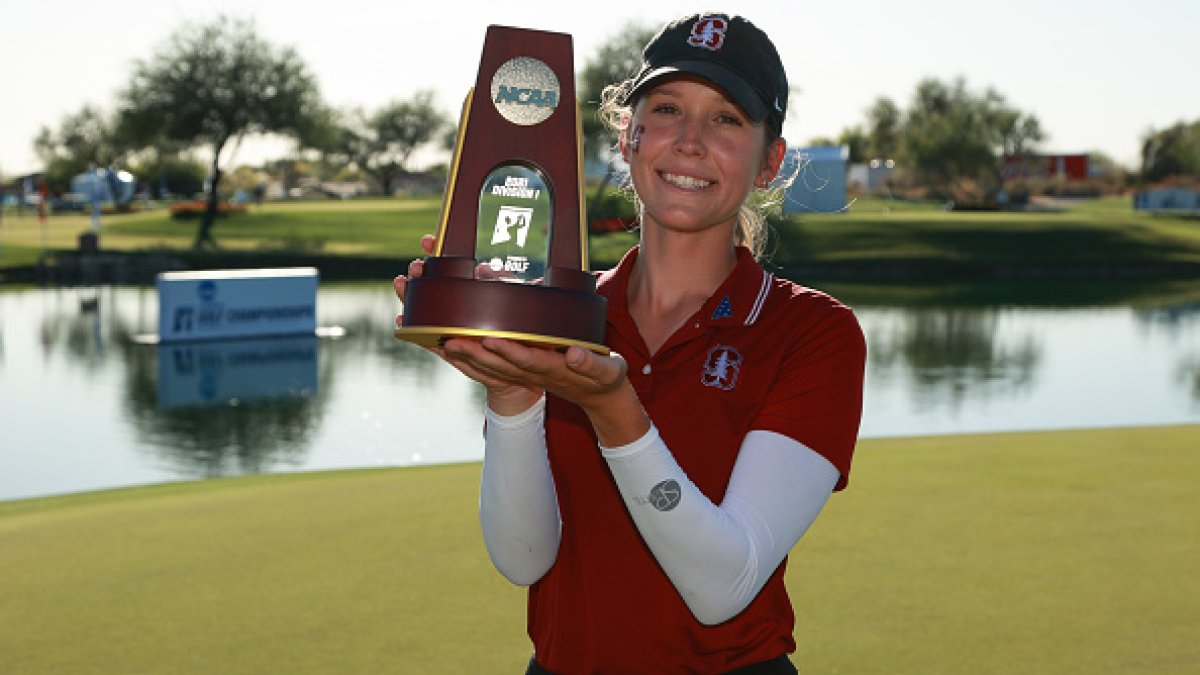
(724, 49)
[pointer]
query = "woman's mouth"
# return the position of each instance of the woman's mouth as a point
(685, 182)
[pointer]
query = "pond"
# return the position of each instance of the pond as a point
(84, 407)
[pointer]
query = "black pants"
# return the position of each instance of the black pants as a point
(777, 666)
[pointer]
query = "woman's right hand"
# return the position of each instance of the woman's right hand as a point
(504, 396)
(415, 269)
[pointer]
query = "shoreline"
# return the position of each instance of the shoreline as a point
(71, 268)
(185, 485)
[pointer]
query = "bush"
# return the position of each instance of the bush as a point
(613, 211)
(191, 209)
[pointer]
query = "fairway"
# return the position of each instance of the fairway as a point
(1044, 552)
(874, 239)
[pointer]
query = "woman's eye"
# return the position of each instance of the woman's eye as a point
(665, 108)
(727, 118)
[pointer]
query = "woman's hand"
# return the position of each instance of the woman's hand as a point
(505, 397)
(593, 382)
(415, 269)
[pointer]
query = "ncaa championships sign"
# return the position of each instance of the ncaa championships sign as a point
(236, 303)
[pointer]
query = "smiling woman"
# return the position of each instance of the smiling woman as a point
(662, 486)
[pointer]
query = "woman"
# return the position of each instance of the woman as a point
(650, 498)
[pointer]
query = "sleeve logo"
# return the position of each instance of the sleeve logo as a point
(666, 495)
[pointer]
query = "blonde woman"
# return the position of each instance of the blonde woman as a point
(649, 499)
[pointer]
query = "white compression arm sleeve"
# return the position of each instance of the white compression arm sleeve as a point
(518, 506)
(719, 557)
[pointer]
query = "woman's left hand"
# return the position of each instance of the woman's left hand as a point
(577, 374)
(594, 382)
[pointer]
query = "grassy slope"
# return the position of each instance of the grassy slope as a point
(872, 232)
(1046, 552)
(1105, 231)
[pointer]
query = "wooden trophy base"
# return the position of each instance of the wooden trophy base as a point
(562, 311)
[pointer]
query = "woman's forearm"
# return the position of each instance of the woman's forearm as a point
(518, 505)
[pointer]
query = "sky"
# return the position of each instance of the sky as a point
(1098, 74)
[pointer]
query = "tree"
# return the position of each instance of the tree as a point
(211, 86)
(884, 122)
(381, 144)
(618, 58)
(86, 139)
(950, 134)
(944, 133)
(167, 174)
(1174, 151)
(1018, 133)
(856, 141)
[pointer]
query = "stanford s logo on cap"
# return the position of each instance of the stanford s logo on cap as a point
(709, 32)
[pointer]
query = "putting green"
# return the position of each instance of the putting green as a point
(1045, 552)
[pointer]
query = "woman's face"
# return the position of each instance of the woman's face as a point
(694, 155)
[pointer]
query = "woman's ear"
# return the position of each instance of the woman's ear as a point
(623, 139)
(771, 163)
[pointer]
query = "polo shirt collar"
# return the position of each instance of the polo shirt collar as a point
(737, 301)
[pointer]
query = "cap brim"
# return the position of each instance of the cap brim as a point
(736, 88)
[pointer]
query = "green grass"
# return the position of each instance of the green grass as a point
(1100, 232)
(1103, 236)
(1045, 552)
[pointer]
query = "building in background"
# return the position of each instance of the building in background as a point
(819, 183)
(1065, 167)
(871, 177)
(1178, 200)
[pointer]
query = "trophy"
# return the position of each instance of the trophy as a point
(511, 254)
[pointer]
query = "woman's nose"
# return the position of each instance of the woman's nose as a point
(689, 139)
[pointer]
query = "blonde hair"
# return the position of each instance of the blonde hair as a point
(752, 230)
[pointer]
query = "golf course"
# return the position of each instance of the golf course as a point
(1065, 552)
(1047, 552)
(874, 238)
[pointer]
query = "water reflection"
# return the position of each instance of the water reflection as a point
(226, 407)
(86, 407)
(216, 408)
(947, 358)
(1179, 320)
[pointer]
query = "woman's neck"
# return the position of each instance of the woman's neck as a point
(674, 275)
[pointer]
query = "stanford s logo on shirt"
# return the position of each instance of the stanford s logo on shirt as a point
(709, 33)
(722, 367)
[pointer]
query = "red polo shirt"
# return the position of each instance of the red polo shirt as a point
(762, 353)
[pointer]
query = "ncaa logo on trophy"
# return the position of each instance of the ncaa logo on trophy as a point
(511, 256)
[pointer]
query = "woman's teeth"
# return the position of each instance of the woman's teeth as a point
(686, 182)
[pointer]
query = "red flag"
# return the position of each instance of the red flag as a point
(42, 193)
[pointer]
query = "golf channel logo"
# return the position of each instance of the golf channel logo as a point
(525, 91)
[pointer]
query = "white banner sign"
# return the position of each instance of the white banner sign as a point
(218, 304)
